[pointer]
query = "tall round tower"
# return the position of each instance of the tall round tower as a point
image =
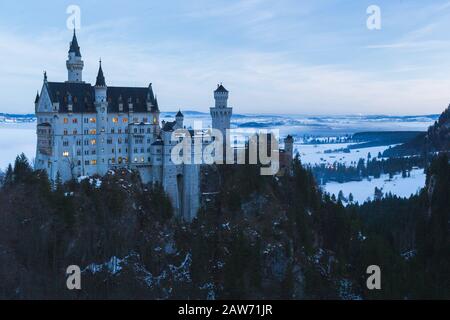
(74, 63)
(221, 113)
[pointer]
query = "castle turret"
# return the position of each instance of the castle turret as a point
(101, 106)
(179, 119)
(100, 86)
(221, 113)
(36, 101)
(289, 145)
(74, 63)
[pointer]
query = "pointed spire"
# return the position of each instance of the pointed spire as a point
(100, 77)
(37, 97)
(179, 114)
(74, 47)
(45, 76)
(150, 95)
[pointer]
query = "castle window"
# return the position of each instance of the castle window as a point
(65, 143)
(65, 132)
(155, 120)
(142, 159)
(115, 120)
(93, 162)
(78, 152)
(92, 131)
(65, 153)
(125, 120)
(135, 159)
(119, 140)
(112, 130)
(109, 141)
(86, 131)
(86, 120)
(94, 152)
(74, 120)
(86, 162)
(93, 142)
(74, 131)
(135, 120)
(145, 120)
(119, 160)
(92, 120)
(86, 142)
(66, 120)
(135, 150)
(113, 160)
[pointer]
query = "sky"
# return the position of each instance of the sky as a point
(315, 57)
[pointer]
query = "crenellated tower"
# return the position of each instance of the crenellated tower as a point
(221, 113)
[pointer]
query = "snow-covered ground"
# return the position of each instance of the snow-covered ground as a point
(16, 138)
(362, 190)
(315, 154)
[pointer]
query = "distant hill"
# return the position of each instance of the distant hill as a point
(435, 139)
(383, 138)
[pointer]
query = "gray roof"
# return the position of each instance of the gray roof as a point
(168, 126)
(83, 97)
(221, 88)
(179, 114)
(100, 77)
(74, 47)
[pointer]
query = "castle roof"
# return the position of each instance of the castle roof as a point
(83, 97)
(221, 88)
(179, 114)
(37, 98)
(100, 77)
(74, 47)
(168, 126)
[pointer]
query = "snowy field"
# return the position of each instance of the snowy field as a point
(16, 138)
(315, 154)
(364, 190)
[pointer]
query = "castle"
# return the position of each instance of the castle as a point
(85, 130)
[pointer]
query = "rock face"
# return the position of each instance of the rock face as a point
(436, 139)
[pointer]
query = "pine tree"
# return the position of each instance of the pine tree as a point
(9, 176)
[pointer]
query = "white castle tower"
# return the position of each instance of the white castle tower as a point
(74, 63)
(221, 113)
(101, 106)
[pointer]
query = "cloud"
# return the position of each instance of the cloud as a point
(184, 68)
